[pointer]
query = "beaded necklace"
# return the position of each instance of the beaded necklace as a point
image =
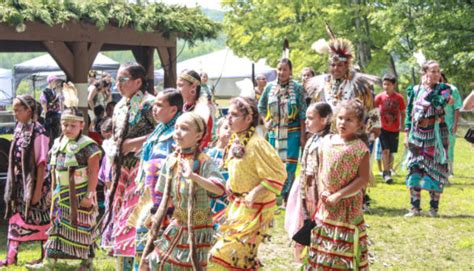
(236, 146)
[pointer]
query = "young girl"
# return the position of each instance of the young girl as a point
(188, 180)
(75, 160)
(166, 109)
(216, 153)
(302, 198)
(27, 193)
(256, 177)
(339, 240)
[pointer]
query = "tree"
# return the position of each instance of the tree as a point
(385, 34)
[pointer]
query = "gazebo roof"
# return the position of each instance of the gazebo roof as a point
(169, 20)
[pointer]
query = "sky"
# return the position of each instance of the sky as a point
(212, 4)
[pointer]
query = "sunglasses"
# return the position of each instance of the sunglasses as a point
(123, 79)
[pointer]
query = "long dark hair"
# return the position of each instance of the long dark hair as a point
(197, 77)
(325, 111)
(136, 71)
(245, 105)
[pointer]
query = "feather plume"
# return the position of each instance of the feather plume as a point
(246, 88)
(70, 95)
(420, 57)
(321, 46)
(202, 108)
(329, 31)
(286, 49)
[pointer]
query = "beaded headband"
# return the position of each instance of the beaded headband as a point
(189, 78)
(71, 117)
(198, 120)
(23, 101)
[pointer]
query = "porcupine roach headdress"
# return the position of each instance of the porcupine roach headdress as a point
(71, 102)
(339, 49)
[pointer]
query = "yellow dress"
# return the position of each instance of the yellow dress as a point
(243, 228)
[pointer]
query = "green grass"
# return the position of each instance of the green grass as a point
(397, 243)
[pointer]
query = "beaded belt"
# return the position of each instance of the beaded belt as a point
(200, 216)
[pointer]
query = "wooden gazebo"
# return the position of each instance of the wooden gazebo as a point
(71, 34)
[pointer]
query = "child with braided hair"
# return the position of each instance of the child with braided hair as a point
(27, 195)
(256, 177)
(188, 180)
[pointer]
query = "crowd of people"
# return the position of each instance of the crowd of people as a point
(185, 190)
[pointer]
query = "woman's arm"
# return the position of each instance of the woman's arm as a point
(133, 144)
(355, 186)
(90, 98)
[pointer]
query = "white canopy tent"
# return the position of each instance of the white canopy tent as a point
(6, 90)
(44, 65)
(224, 69)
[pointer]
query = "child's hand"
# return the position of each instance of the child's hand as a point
(86, 202)
(250, 198)
(324, 195)
(186, 169)
(333, 199)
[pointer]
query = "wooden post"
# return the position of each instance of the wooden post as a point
(168, 62)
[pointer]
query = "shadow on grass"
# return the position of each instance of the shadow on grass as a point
(382, 211)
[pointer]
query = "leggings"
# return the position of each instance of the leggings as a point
(415, 198)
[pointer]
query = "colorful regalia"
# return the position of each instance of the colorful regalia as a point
(218, 205)
(132, 118)
(29, 150)
(172, 248)
(244, 228)
(72, 231)
(428, 138)
(305, 190)
(156, 148)
(339, 240)
(284, 105)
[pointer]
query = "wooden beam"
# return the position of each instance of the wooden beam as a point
(82, 31)
(62, 55)
(93, 49)
(144, 56)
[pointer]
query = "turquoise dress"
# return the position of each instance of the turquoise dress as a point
(286, 108)
(449, 118)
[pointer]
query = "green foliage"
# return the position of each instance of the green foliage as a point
(188, 23)
(379, 30)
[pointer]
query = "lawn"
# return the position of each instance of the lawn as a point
(397, 243)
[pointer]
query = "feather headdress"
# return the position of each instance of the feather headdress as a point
(71, 102)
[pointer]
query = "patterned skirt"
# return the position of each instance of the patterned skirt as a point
(240, 235)
(339, 240)
(172, 251)
(33, 226)
(67, 241)
(125, 200)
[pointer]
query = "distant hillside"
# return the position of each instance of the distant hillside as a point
(8, 60)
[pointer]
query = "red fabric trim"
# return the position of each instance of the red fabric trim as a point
(276, 183)
(228, 266)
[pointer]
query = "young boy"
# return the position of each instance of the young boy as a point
(392, 111)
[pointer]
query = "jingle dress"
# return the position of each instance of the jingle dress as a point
(339, 239)
(156, 148)
(133, 117)
(284, 105)
(244, 228)
(72, 233)
(428, 139)
(29, 150)
(172, 249)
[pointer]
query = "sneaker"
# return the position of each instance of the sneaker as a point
(413, 212)
(433, 212)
